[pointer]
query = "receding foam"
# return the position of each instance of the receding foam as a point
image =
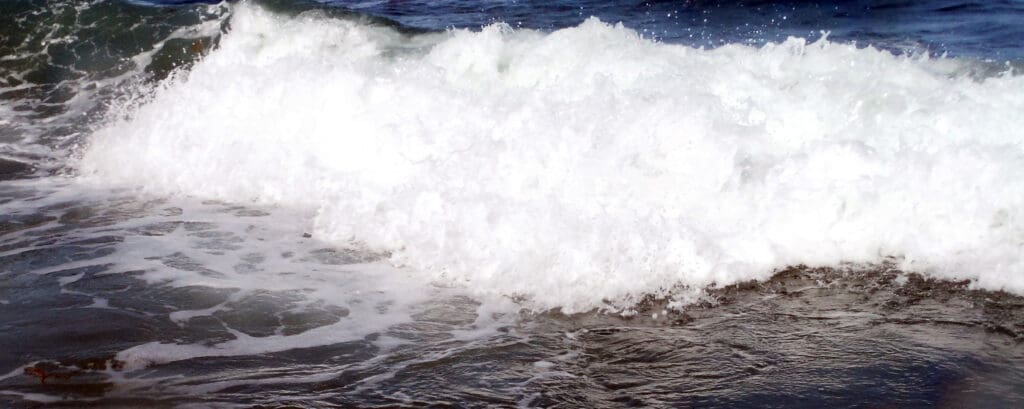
(590, 165)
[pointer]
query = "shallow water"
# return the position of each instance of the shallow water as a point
(566, 204)
(849, 337)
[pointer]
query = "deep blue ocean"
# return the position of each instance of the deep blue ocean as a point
(986, 29)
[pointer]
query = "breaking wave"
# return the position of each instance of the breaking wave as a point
(589, 165)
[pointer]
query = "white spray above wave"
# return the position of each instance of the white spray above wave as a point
(591, 165)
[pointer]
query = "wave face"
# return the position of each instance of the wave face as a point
(589, 166)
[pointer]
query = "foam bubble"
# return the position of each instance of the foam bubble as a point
(588, 165)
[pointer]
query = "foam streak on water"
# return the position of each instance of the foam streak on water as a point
(590, 165)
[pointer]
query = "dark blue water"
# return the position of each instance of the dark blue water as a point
(986, 29)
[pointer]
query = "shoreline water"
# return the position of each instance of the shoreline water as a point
(866, 320)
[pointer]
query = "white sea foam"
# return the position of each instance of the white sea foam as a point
(249, 255)
(590, 165)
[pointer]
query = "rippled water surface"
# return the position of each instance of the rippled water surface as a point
(807, 336)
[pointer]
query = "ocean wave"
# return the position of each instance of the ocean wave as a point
(589, 166)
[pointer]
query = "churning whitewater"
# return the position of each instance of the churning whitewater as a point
(590, 166)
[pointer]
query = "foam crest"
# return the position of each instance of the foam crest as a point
(591, 166)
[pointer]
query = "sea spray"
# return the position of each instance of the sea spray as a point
(589, 165)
